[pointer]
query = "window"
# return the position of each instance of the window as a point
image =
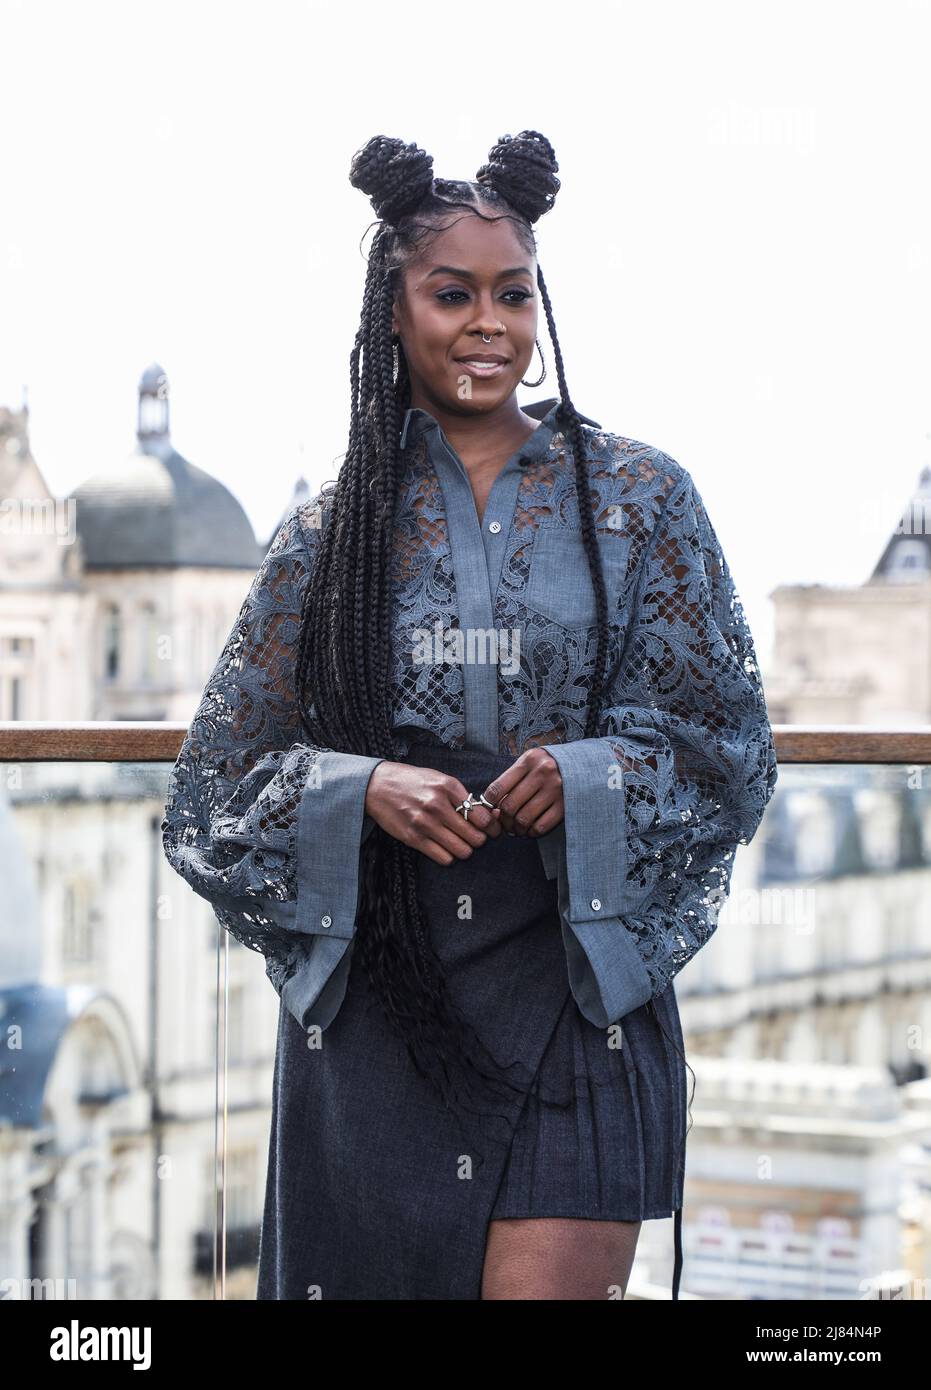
(17, 655)
(148, 644)
(879, 828)
(814, 833)
(242, 1174)
(236, 1019)
(111, 642)
(908, 561)
(79, 921)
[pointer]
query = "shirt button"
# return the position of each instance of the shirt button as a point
(326, 921)
(596, 904)
(494, 526)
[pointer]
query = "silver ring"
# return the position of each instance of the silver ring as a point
(466, 806)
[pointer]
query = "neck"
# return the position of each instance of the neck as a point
(478, 436)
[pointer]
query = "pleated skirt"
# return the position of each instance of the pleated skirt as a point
(375, 1190)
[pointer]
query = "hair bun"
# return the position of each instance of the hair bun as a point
(522, 169)
(395, 176)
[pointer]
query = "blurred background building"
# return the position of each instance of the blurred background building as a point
(115, 603)
(860, 654)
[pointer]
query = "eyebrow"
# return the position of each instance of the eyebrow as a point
(469, 275)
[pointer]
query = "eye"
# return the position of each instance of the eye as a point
(524, 295)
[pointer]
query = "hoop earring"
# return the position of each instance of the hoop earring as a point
(540, 382)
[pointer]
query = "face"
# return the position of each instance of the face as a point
(474, 278)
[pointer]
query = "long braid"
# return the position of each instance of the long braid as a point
(344, 646)
(572, 426)
(522, 171)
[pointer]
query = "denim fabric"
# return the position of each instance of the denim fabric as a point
(560, 586)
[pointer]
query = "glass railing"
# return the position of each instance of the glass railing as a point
(138, 1038)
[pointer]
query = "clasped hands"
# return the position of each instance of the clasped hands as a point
(417, 805)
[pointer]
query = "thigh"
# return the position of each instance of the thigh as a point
(558, 1258)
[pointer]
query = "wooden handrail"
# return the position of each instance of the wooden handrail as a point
(116, 741)
(144, 741)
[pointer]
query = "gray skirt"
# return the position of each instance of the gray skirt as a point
(375, 1190)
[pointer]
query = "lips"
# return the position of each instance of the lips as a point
(484, 357)
(483, 368)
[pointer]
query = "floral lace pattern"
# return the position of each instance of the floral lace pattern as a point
(547, 700)
(230, 823)
(426, 696)
(684, 716)
(691, 734)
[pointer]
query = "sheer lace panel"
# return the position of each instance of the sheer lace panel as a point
(689, 729)
(427, 695)
(230, 822)
(546, 702)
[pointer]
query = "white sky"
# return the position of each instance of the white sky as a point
(739, 257)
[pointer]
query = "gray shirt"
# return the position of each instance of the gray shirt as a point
(493, 646)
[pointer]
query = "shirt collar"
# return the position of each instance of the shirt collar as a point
(418, 421)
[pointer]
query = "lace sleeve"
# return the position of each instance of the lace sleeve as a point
(657, 804)
(264, 826)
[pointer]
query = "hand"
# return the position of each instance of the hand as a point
(417, 805)
(529, 795)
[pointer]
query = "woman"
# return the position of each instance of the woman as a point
(470, 773)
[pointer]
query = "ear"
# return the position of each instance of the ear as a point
(395, 326)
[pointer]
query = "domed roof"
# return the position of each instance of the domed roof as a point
(162, 511)
(156, 508)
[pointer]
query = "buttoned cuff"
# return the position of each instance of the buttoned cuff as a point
(329, 837)
(332, 827)
(314, 993)
(595, 834)
(606, 973)
(589, 858)
(552, 847)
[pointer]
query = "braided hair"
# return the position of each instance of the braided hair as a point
(343, 652)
